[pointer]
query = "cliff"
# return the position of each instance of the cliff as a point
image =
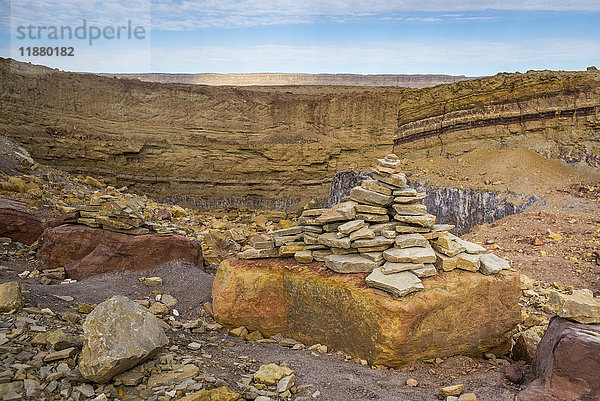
(279, 147)
(405, 81)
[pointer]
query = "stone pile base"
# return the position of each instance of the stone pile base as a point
(458, 312)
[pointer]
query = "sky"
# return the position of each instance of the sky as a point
(459, 37)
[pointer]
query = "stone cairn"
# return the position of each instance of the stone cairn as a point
(383, 230)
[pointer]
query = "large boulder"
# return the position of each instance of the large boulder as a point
(566, 363)
(85, 251)
(458, 312)
(10, 296)
(117, 335)
(22, 223)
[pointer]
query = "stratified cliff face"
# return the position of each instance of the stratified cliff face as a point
(554, 113)
(280, 146)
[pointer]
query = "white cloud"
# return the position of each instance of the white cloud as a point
(186, 14)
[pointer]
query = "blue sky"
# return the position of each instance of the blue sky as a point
(462, 37)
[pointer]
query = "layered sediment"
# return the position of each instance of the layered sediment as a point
(279, 147)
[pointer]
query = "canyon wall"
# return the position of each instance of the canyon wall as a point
(279, 147)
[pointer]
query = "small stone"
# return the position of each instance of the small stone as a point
(194, 345)
(85, 308)
(331, 240)
(514, 374)
(363, 233)
(412, 383)
(428, 270)
(492, 264)
(271, 374)
(454, 390)
(254, 336)
(240, 332)
(159, 309)
(444, 262)
(10, 297)
(285, 383)
(467, 261)
(130, 378)
(153, 281)
(468, 397)
(303, 256)
(58, 355)
(425, 220)
(362, 195)
(168, 300)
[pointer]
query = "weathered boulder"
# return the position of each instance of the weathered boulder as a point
(580, 306)
(457, 312)
(22, 223)
(566, 363)
(85, 251)
(10, 296)
(117, 335)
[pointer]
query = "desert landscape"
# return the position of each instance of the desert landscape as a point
(297, 237)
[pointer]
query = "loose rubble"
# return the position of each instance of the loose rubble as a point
(382, 229)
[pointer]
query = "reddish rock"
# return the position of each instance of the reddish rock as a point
(85, 251)
(458, 312)
(22, 223)
(566, 363)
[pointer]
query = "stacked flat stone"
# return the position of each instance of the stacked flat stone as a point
(382, 229)
(124, 214)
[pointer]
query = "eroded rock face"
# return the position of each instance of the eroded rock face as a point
(117, 335)
(21, 223)
(566, 363)
(85, 251)
(458, 312)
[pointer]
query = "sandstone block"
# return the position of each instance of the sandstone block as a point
(397, 180)
(376, 241)
(368, 209)
(303, 256)
(85, 251)
(393, 267)
(492, 264)
(412, 209)
(373, 218)
(376, 186)
(566, 363)
(350, 226)
(410, 199)
(427, 270)
(310, 303)
(467, 261)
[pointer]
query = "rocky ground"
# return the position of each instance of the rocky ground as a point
(556, 247)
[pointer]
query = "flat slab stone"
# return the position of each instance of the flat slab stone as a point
(412, 209)
(410, 199)
(370, 209)
(376, 186)
(410, 240)
(410, 255)
(376, 241)
(310, 303)
(397, 180)
(350, 226)
(467, 261)
(470, 247)
(353, 263)
(425, 220)
(393, 267)
(362, 233)
(399, 284)
(361, 195)
(373, 218)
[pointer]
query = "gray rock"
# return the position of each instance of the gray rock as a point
(331, 240)
(492, 264)
(350, 264)
(470, 247)
(410, 255)
(393, 267)
(410, 240)
(118, 334)
(400, 284)
(362, 195)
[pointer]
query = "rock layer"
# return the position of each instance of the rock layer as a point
(85, 251)
(458, 312)
(278, 147)
(21, 223)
